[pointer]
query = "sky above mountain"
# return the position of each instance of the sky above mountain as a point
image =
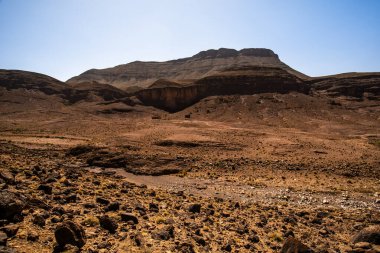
(64, 38)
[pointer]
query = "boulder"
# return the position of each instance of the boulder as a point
(195, 208)
(369, 234)
(108, 223)
(292, 245)
(129, 217)
(11, 206)
(164, 234)
(70, 233)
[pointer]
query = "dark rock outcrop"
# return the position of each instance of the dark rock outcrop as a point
(241, 81)
(356, 85)
(11, 206)
(129, 217)
(369, 234)
(108, 223)
(70, 233)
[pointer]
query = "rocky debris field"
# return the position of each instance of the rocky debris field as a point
(50, 202)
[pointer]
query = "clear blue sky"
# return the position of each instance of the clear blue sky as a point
(63, 38)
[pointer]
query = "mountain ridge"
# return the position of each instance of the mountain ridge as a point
(183, 70)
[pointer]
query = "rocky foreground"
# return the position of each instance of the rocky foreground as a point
(49, 201)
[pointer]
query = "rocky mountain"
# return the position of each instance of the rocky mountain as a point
(11, 80)
(183, 71)
(175, 85)
(355, 85)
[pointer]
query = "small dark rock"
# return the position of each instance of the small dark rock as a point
(89, 205)
(164, 234)
(71, 198)
(108, 223)
(227, 247)
(39, 203)
(7, 177)
(102, 201)
(58, 210)
(369, 234)
(254, 238)
(153, 207)
(32, 236)
(292, 245)
(129, 217)
(10, 205)
(114, 206)
(70, 233)
(53, 177)
(199, 240)
(104, 245)
(47, 189)
(138, 239)
(195, 208)
(288, 233)
(38, 220)
(185, 248)
(10, 230)
(56, 219)
(322, 214)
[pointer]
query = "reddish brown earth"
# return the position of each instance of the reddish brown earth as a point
(232, 172)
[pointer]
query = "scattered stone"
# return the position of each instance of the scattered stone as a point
(104, 245)
(153, 207)
(185, 248)
(102, 201)
(59, 210)
(38, 203)
(89, 205)
(47, 189)
(7, 177)
(32, 236)
(195, 208)
(292, 245)
(254, 238)
(10, 230)
(138, 239)
(227, 247)
(70, 233)
(10, 206)
(38, 220)
(114, 206)
(369, 234)
(71, 198)
(108, 223)
(129, 217)
(199, 239)
(164, 234)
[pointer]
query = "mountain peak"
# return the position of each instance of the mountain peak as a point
(185, 70)
(227, 52)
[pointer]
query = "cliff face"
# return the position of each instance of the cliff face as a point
(250, 80)
(183, 71)
(356, 85)
(242, 81)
